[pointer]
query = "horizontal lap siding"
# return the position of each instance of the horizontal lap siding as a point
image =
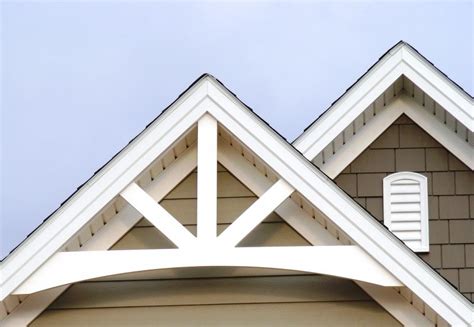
(406, 147)
(280, 300)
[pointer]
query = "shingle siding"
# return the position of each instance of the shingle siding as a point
(404, 146)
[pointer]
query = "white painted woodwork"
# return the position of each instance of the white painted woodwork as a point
(109, 234)
(289, 211)
(396, 304)
(306, 226)
(51, 236)
(441, 133)
(255, 214)
(157, 189)
(405, 203)
(209, 95)
(401, 61)
(207, 179)
(158, 216)
(336, 163)
(365, 136)
(346, 261)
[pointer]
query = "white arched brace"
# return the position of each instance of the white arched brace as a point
(346, 261)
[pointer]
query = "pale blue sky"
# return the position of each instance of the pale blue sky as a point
(80, 79)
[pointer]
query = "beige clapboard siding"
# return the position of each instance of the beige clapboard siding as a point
(228, 209)
(227, 186)
(265, 234)
(353, 313)
(200, 272)
(275, 289)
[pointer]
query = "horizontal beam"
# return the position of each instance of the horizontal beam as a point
(340, 261)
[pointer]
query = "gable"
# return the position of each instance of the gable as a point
(250, 149)
(401, 82)
(404, 146)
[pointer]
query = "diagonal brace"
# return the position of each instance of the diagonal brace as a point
(158, 216)
(256, 213)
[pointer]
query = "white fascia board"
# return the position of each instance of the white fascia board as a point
(437, 86)
(400, 61)
(342, 210)
(352, 104)
(378, 124)
(102, 188)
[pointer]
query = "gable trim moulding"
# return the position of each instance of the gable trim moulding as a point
(207, 95)
(402, 60)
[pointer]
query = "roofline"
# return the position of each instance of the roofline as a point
(401, 59)
(279, 154)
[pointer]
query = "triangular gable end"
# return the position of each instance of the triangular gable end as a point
(401, 79)
(208, 103)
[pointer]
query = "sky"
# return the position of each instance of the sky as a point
(79, 79)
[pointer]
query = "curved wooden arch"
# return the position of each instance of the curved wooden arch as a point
(345, 261)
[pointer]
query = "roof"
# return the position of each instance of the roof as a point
(285, 159)
(399, 44)
(401, 60)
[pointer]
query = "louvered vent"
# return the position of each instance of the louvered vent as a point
(405, 199)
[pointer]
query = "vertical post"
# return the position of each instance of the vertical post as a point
(207, 180)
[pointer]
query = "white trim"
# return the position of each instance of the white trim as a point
(207, 179)
(157, 189)
(378, 124)
(320, 191)
(396, 305)
(255, 214)
(417, 186)
(341, 209)
(440, 132)
(73, 267)
(289, 211)
(102, 188)
(364, 137)
(108, 235)
(402, 60)
(158, 216)
(316, 234)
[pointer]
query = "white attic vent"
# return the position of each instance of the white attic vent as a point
(405, 205)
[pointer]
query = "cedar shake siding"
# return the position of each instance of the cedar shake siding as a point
(404, 146)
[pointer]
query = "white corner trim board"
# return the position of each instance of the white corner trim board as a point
(209, 96)
(405, 206)
(346, 261)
